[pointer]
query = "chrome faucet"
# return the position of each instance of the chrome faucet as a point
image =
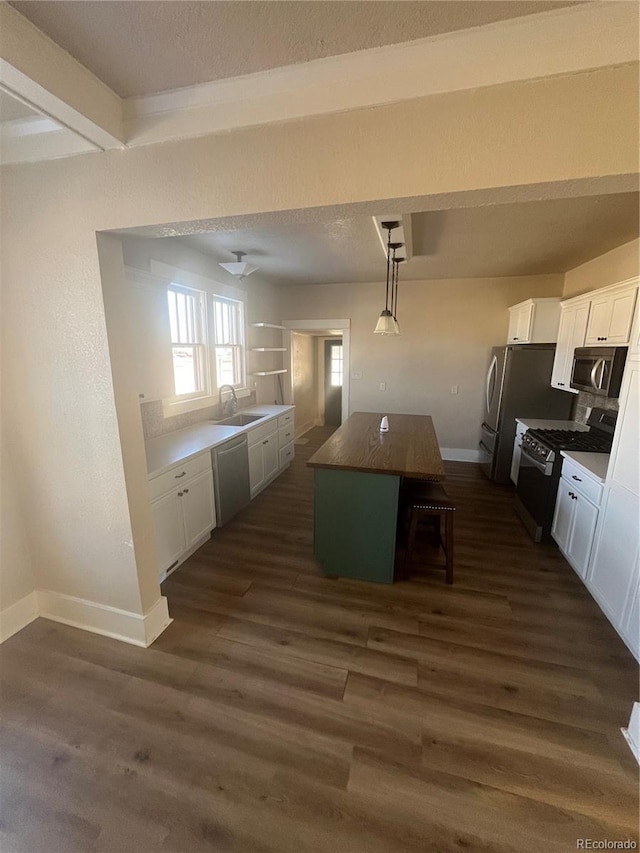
(230, 406)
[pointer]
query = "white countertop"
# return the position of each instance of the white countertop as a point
(538, 423)
(165, 451)
(595, 464)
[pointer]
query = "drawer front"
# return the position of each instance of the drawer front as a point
(179, 474)
(285, 436)
(286, 454)
(286, 419)
(261, 432)
(581, 482)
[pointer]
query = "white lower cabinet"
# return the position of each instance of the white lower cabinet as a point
(286, 435)
(183, 510)
(613, 574)
(263, 455)
(574, 525)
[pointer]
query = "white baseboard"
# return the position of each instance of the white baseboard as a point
(18, 616)
(459, 454)
(101, 619)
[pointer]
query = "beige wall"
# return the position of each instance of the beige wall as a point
(304, 384)
(447, 330)
(63, 424)
(619, 264)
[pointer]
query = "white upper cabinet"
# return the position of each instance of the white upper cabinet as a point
(534, 321)
(611, 317)
(571, 334)
(147, 311)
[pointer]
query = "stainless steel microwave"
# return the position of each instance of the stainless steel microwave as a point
(598, 370)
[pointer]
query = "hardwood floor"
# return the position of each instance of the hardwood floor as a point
(285, 711)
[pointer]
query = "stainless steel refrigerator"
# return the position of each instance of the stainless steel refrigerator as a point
(518, 385)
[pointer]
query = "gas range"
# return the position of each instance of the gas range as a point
(544, 444)
(541, 467)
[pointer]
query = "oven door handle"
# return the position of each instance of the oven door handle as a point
(541, 466)
(596, 384)
(484, 447)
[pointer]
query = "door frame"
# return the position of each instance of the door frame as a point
(331, 327)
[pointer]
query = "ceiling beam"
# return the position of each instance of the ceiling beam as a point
(42, 75)
(558, 42)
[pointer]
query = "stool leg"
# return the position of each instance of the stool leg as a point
(448, 524)
(411, 539)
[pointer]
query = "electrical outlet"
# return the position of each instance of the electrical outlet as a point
(383, 386)
(454, 389)
(357, 374)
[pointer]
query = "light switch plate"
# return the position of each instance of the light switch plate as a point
(357, 374)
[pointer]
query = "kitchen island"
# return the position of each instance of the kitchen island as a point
(357, 475)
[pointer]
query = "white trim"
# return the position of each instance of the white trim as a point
(102, 619)
(186, 278)
(337, 327)
(460, 454)
(18, 615)
(632, 732)
(560, 41)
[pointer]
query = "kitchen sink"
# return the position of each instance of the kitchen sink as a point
(239, 420)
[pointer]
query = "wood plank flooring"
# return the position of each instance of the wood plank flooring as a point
(286, 711)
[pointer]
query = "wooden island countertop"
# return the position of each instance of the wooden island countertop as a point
(409, 449)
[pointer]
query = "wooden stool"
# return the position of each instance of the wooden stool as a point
(423, 498)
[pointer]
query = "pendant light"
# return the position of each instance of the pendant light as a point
(240, 269)
(386, 324)
(395, 264)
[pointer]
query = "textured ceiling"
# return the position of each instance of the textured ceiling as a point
(529, 238)
(140, 47)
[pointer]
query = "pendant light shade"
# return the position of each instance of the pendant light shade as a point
(240, 269)
(387, 323)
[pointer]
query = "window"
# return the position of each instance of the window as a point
(336, 365)
(188, 341)
(228, 339)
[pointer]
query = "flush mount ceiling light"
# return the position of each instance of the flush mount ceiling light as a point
(387, 322)
(241, 269)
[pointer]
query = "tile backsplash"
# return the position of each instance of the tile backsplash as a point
(584, 400)
(154, 424)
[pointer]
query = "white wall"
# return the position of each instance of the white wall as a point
(511, 141)
(447, 330)
(262, 304)
(619, 264)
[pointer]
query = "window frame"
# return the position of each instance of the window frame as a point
(201, 347)
(239, 349)
(181, 278)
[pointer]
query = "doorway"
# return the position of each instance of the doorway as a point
(318, 354)
(333, 378)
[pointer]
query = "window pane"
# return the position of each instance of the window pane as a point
(185, 370)
(225, 366)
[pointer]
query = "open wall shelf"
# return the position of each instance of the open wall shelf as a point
(268, 349)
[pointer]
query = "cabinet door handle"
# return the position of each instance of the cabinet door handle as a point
(266, 441)
(178, 476)
(185, 492)
(571, 495)
(179, 494)
(579, 479)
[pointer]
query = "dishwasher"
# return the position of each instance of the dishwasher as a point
(231, 478)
